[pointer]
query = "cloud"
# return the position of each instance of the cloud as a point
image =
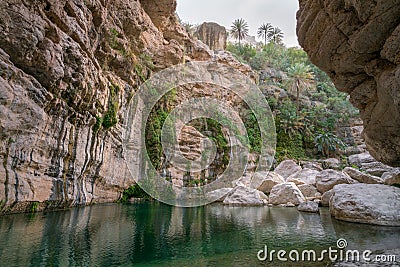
(280, 13)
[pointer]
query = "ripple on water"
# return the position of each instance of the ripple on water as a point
(152, 234)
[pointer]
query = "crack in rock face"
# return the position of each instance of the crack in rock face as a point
(358, 44)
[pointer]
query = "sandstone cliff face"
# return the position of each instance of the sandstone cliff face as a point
(67, 71)
(358, 44)
(213, 35)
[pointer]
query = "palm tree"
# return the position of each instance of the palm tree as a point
(264, 30)
(239, 29)
(301, 79)
(275, 35)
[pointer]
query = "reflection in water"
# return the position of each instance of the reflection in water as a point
(153, 234)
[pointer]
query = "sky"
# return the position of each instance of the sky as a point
(280, 13)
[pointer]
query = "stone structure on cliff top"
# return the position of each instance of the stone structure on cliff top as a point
(213, 35)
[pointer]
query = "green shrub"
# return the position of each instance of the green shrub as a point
(289, 147)
(135, 191)
(34, 206)
(110, 117)
(328, 144)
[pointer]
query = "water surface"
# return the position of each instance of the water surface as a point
(153, 234)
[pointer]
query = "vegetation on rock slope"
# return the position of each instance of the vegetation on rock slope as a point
(310, 110)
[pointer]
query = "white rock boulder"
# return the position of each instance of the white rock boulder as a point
(326, 197)
(218, 195)
(376, 168)
(362, 177)
(264, 181)
(366, 203)
(308, 206)
(245, 196)
(312, 165)
(392, 177)
(331, 163)
(309, 191)
(304, 176)
(287, 168)
(359, 159)
(285, 194)
(327, 179)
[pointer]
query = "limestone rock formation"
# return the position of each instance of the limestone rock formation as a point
(304, 176)
(326, 197)
(312, 165)
(327, 179)
(376, 168)
(286, 194)
(213, 35)
(361, 176)
(265, 181)
(287, 168)
(309, 191)
(391, 177)
(68, 70)
(308, 206)
(331, 163)
(366, 203)
(358, 44)
(244, 196)
(219, 194)
(359, 159)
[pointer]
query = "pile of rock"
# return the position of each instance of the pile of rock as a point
(362, 193)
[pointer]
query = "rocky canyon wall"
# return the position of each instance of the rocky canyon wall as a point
(358, 44)
(68, 72)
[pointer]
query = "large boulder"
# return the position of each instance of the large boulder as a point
(366, 203)
(287, 168)
(309, 191)
(326, 197)
(245, 196)
(357, 43)
(312, 165)
(376, 168)
(358, 159)
(213, 35)
(308, 206)
(362, 177)
(286, 194)
(331, 163)
(327, 179)
(304, 176)
(391, 177)
(219, 195)
(264, 181)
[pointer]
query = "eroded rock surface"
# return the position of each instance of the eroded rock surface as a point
(287, 168)
(327, 179)
(358, 44)
(265, 181)
(362, 177)
(245, 196)
(286, 194)
(366, 203)
(304, 176)
(68, 71)
(213, 35)
(308, 206)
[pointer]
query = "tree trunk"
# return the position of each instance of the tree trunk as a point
(298, 98)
